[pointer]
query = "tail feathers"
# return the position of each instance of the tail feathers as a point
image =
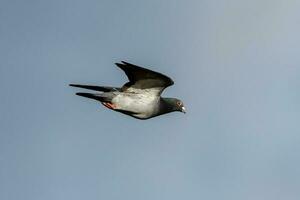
(96, 88)
(89, 95)
(99, 97)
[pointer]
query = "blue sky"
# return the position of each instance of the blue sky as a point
(235, 65)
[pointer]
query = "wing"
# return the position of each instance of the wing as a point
(144, 79)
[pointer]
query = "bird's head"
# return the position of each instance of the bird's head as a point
(180, 107)
(175, 104)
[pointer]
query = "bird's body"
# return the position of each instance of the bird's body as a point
(142, 105)
(140, 97)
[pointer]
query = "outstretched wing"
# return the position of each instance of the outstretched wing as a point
(144, 79)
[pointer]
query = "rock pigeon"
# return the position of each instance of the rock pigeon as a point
(140, 97)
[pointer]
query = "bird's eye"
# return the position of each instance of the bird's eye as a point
(179, 103)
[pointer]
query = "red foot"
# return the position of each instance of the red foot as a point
(109, 105)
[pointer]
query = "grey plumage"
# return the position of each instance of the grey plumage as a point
(140, 97)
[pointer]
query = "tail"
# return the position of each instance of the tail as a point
(103, 97)
(96, 88)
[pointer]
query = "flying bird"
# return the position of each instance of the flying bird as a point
(140, 97)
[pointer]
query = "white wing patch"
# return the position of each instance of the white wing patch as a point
(149, 91)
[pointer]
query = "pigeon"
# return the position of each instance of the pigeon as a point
(140, 97)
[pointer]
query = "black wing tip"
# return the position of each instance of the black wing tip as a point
(120, 65)
(123, 64)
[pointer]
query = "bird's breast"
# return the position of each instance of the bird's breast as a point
(142, 104)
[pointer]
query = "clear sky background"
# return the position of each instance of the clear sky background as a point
(235, 64)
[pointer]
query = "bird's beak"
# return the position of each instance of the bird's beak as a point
(183, 110)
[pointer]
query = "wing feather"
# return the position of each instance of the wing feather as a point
(141, 78)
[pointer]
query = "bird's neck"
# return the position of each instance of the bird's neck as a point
(166, 105)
